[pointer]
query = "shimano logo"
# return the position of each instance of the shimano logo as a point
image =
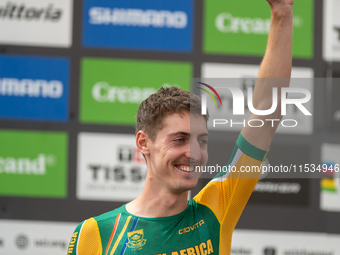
(21, 12)
(103, 92)
(138, 17)
(30, 88)
(280, 188)
(37, 166)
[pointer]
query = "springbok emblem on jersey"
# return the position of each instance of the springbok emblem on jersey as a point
(136, 239)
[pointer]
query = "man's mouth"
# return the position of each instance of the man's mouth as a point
(185, 168)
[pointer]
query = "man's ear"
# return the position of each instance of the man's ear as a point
(142, 142)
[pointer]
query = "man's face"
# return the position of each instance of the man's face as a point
(178, 147)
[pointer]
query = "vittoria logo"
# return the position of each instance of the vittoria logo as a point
(136, 239)
(29, 13)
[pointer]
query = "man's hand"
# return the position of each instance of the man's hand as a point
(280, 2)
(280, 7)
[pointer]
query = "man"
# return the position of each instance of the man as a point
(174, 142)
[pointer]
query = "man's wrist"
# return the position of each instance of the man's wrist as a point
(282, 11)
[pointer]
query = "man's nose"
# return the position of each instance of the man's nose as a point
(193, 151)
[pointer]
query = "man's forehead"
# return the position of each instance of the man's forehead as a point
(183, 123)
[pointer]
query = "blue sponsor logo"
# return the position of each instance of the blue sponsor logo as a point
(140, 25)
(34, 88)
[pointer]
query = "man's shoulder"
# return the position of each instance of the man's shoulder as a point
(110, 215)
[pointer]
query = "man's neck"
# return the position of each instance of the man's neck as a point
(157, 204)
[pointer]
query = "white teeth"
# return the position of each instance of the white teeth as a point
(185, 168)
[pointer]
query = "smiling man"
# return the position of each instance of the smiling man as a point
(172, 135)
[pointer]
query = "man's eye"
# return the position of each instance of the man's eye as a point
(203, 141)
(180, 140)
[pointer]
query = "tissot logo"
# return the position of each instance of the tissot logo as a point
(116, 173)
(119, 173)
(22, 11)
(110, 167)
(130, 154)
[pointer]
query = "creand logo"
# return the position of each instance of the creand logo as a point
(26, 166)
(31, 88)
(104, 93)
(138, 18)
(227, 23)
(239, 105)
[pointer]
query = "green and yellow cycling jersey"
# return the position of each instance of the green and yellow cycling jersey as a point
(204, 227)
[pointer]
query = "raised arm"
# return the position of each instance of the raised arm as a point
(275, 72)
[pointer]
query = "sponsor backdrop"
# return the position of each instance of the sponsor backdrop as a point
(36, 23)
(73, 73)
(331, 30)
(110, 167)
(112, 89)
(34, 88)
(230, 29)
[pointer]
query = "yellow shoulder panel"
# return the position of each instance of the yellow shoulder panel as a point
(89, 240)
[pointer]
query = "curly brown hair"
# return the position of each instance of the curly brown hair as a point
(164, 102)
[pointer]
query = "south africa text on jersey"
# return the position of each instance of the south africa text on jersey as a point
(203, 248)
